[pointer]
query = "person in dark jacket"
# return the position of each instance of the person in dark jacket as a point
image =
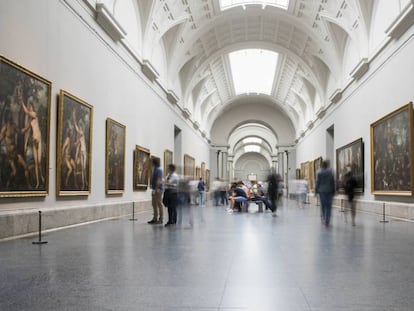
(325, 187)
(350, 184)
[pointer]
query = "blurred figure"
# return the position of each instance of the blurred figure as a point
(303, 191)
(170, 195)
(224, 192)
(350, 184)
(325, 187)
(201, 193)
(258, 194)
(184, 209)
(272, 190)
(216, 190)
(157, 188)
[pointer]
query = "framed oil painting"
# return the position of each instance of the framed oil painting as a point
(311, 177)
(304, 170)
(115, 157)
(317, 163)
(203, 171)
(189, 166)
(198, 172)
(207, 181)
(350, 158)
(392, 153)
(252, 177)
(25, 100)
(142, 166)
(297, 173)
(168, 159)
(74, 146)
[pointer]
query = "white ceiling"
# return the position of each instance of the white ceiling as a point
(319, 43)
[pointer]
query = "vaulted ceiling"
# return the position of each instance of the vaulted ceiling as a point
(322, 45)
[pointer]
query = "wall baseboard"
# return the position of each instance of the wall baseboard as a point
(26, 222)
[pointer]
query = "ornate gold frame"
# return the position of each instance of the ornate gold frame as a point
(71, 107)
(115, 157)
(387, 136)
(168, 159)
(189, 166)
(142, 167)
(18, 83)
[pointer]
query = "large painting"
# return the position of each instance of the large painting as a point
(168, 159)
(392, 153)
(317, 164)
(24, 131)
(189, 166)
(74, 146)
(207, 181)
(203, 171)
(350, 158)
(311, 177)
(115, 157)
(142, 167)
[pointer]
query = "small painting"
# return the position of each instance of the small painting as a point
(115, 157)
(25, 101)
(142, 168)
(350, 158)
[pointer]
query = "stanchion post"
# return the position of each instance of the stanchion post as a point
(40, 242)
(133, 212)
(383, 214)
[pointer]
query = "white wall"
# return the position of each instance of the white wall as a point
(387, 86)
(63, 46)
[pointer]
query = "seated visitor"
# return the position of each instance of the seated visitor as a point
(239, 195)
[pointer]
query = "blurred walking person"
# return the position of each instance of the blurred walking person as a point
(350, 184)
(325, 187)
(170, 195)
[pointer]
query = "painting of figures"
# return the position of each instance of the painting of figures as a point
(115, 157)
(74, 146)
(392, 152)
(142, 167)
(350, 158)
(24, 131)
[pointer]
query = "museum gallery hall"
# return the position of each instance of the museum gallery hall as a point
(128, 127)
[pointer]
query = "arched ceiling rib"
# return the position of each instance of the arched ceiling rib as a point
(310, 38)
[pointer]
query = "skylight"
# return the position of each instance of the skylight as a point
(253, 70)
(227, 4)
(252, 148)
(252, 140)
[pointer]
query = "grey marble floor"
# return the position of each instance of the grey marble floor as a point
(249, 261)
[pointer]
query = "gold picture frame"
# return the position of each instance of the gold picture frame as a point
(74, 146)
(189, 166)
(350, 157)
(142, 166)
(25, 101)
(392, 153)
(168, 159)
(203, 171)
(207, 181)
(115, 157)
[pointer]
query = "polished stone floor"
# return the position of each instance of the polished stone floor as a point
(249, 261)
